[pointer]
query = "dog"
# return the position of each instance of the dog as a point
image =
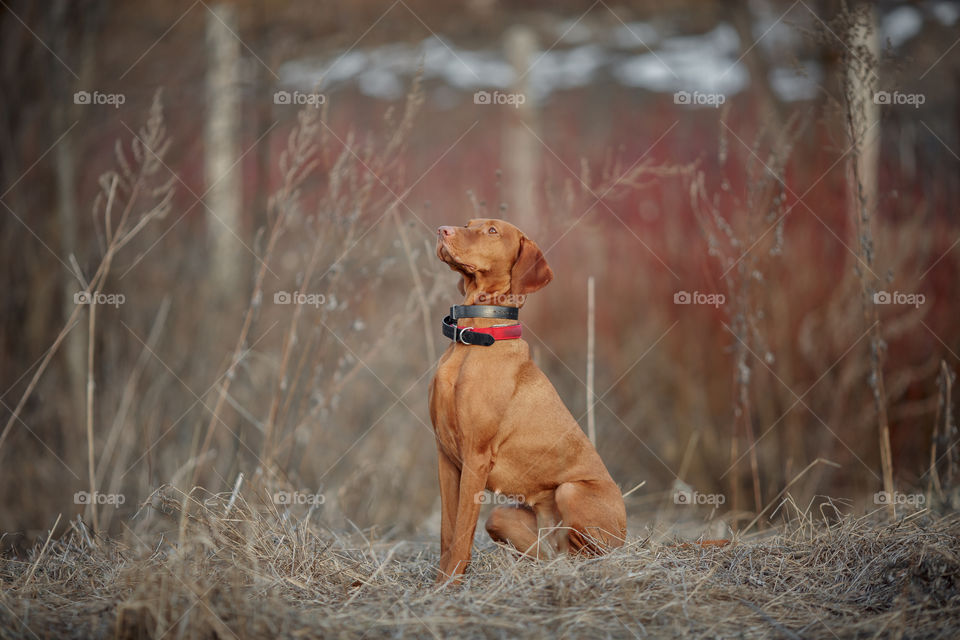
(499, 423)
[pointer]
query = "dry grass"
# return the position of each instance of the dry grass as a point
(246, 569)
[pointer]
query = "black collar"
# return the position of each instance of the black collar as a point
(483, 311)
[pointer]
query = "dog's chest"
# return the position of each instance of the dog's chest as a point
(460, 406)
(443, 406)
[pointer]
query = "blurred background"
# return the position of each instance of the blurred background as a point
(218, 231)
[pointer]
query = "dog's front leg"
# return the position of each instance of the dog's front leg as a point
(449, 499)
(473, 480)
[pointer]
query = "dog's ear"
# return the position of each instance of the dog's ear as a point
(530, 270)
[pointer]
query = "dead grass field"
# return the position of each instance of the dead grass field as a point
(248, 571)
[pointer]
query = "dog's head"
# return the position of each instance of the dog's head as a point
(499, 264)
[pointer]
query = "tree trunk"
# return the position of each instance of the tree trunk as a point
(222, 150)
(521, 149)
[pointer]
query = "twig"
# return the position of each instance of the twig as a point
(634, 489)
(233, 496)
(33, 569)
(591, 345)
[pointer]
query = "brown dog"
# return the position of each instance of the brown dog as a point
(500, 424)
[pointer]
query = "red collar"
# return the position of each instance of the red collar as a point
(506, 332)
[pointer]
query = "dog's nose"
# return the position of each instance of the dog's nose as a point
(445, 231)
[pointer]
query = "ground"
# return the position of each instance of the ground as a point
(261, 573)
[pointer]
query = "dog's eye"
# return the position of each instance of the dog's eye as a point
(492, 230)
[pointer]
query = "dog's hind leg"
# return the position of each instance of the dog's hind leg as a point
(517, 526)
(594, 515)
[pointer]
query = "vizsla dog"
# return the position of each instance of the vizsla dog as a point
(500, 424)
